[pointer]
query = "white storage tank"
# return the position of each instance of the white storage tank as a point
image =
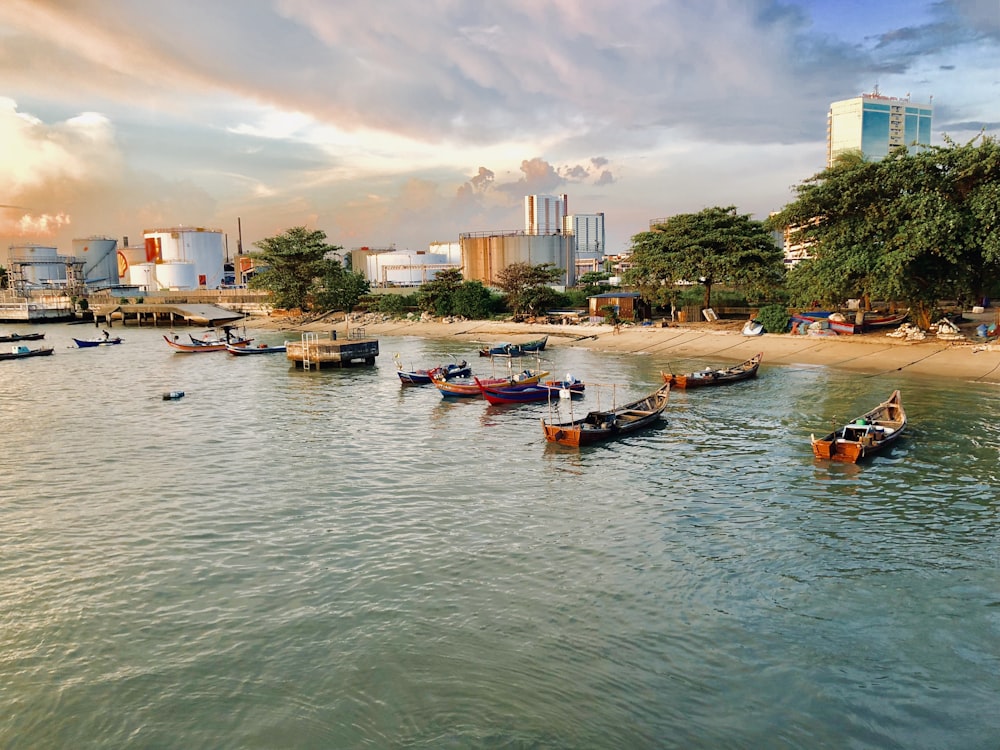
(142, 275)
(403, 269)
(205, 248)
(180, 276)
(100, 260)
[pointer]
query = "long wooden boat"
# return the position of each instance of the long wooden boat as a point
(885, 321)
(448, 371)
(88, 343)
(742, 371)
(244, 350)
(871, 433)
(599, 426)
(23, 352)
(514, 350)
(471, 389)
(9, 338)
(524, 393)
(177, 345)
(839, 327)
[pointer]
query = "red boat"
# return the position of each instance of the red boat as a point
(523, 393)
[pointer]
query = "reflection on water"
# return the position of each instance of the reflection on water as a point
(296, 559)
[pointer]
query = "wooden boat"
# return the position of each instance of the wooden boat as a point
(102, 341)
(865, 436)
(521, 393)
(742, 371)
(20, 351)
(885, 321)
(422, 377)
(259, 349)
(514, 350)
(837, 324)
(10, 338)
(599, 426)
(466, 389)
(181, 346)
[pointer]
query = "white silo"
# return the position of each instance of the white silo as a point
(205, 248)
(41, 264)
(100, 260)
(177, 275)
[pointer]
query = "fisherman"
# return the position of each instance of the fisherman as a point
(106, 334)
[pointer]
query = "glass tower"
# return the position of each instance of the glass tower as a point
(876, 124)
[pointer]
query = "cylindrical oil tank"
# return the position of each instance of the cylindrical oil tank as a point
(142, 275)
(44, 266)
(205, 248)
(180, 276)
(402, 269)
(100, 260)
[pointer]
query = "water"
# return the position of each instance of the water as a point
(328, 560)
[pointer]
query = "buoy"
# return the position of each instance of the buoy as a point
(173, 395)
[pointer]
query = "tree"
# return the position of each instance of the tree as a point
(435, 296)
(472, 300)
(294, 260)
(714, 246)
(337, 288)
(912, 227)
(528, 288)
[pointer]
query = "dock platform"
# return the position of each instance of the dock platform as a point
(313, 352)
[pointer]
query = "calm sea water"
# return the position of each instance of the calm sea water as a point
(328, 560)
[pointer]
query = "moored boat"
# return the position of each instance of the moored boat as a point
(514, 350)
(20, 351)
(9, 338)
(447, 371)
(742, 371)
(259, 349)
(472, 389)
(599, 426)
(177, 345)
(871, 433)
(523, 393)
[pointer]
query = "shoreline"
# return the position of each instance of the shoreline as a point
(869, 353)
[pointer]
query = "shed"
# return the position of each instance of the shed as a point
(627, 305)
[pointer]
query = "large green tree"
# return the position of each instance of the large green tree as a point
(914, 228)
(293, 261)
(528, 288)
(714, 246)
(436, 295)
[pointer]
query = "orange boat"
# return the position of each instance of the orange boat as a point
(742, 371)
(599, 426)
(871, 433)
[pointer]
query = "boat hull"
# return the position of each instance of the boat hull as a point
(872, 433)
(601, 426)
(736, 373)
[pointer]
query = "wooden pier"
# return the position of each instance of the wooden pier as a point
(315, 353)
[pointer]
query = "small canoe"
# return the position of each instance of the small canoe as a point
(244, 350)
(742, 371)
(599, 426)
(871, 433)
(9, 338)
(514, 350)
(177, 345)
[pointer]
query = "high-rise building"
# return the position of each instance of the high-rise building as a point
(587, 231)
(876, 124)
(543, 214)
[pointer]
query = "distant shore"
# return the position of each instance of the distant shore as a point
(870, 353)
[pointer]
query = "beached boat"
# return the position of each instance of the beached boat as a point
(870, 433)
(105, 340)
(472, 389)
(9, 338)
(514, 350)
(599, 426)
(835, 322)
(259, 349)
(177, 345)
(742, 371)
(753, 328)
(20, 351)
(524, 393)
(422, 377)
(885, 321)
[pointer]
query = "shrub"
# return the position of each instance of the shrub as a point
(774, 318)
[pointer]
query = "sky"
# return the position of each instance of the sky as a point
(402, 123)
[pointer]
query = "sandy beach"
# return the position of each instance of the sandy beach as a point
(696, 343)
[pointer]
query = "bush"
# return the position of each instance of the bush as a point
(774, 318)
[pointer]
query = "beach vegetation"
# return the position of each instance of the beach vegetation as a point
(528, 288)
(714, 246)
(914, 228)
(774, 318)
(293, 264)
